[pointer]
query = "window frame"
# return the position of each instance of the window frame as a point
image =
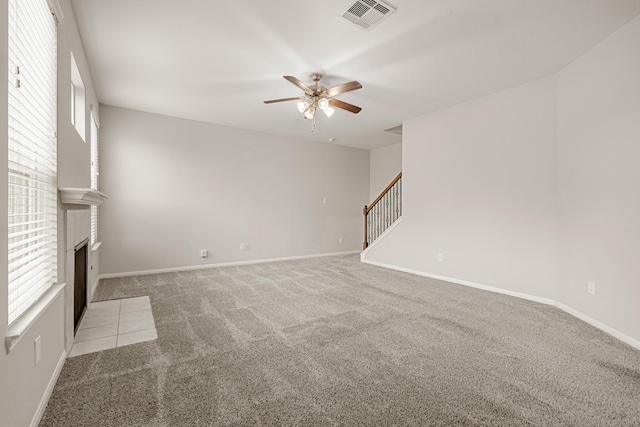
(32, 163)
(95, 173)
(78, 100)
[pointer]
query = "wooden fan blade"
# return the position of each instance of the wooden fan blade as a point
(345, 87)
(271, 101)
(301, 85)
(344, 105)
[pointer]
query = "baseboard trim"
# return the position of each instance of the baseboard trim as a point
(463, 282)
(223, 264)
(37, 417)
(593, 322)
(575, 313)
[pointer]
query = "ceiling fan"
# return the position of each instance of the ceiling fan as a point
(319, 97)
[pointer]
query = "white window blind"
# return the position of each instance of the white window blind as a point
(73, 104)
(94, 177)
(32, 212)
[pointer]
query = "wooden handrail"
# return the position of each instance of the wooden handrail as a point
(368, 208)
(365, 243)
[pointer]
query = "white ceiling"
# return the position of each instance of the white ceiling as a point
(218, 61)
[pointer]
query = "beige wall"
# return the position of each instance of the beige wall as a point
(178, 186)
(534, 190)
(23, 384)
(385, 163)
(599, 181)
(481, 194)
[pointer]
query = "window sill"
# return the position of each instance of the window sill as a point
(21, 325)
(96, 246)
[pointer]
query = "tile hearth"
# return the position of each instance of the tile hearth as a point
(115, 323)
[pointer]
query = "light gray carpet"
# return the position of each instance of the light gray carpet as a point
(331, 341)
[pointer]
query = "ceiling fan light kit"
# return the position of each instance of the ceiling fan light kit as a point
(317, 97)
(310, 113)
(302, 106)
(323, 103)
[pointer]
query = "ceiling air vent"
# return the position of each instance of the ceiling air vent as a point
(367, 13)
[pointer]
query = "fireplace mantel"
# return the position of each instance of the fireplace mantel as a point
(79, 198)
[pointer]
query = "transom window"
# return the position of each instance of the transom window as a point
(94, 175)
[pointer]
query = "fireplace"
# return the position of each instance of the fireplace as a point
(77, 272)
(79, 284)
(80, 256)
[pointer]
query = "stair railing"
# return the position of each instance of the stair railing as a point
(383, 212)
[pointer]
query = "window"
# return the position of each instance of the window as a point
(94, 175)
(32, 165)
(77, 99)
(73, 104)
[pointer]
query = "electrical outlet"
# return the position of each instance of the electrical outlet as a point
(440, 256)
(245, 246)
(204, 253)
(37, 350)
(591, 287)
(340, 240)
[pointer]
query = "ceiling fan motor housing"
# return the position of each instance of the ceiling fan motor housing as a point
(320, 97)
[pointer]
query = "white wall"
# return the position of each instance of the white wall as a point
(385, 163)
(73, 151)
(482, 193)
(178, 186)
(74, 157)
(599, 181)
(534, 190)
(23, 385)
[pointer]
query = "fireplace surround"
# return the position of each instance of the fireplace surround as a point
(76, 220)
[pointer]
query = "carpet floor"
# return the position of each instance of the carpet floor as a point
(332, 341)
